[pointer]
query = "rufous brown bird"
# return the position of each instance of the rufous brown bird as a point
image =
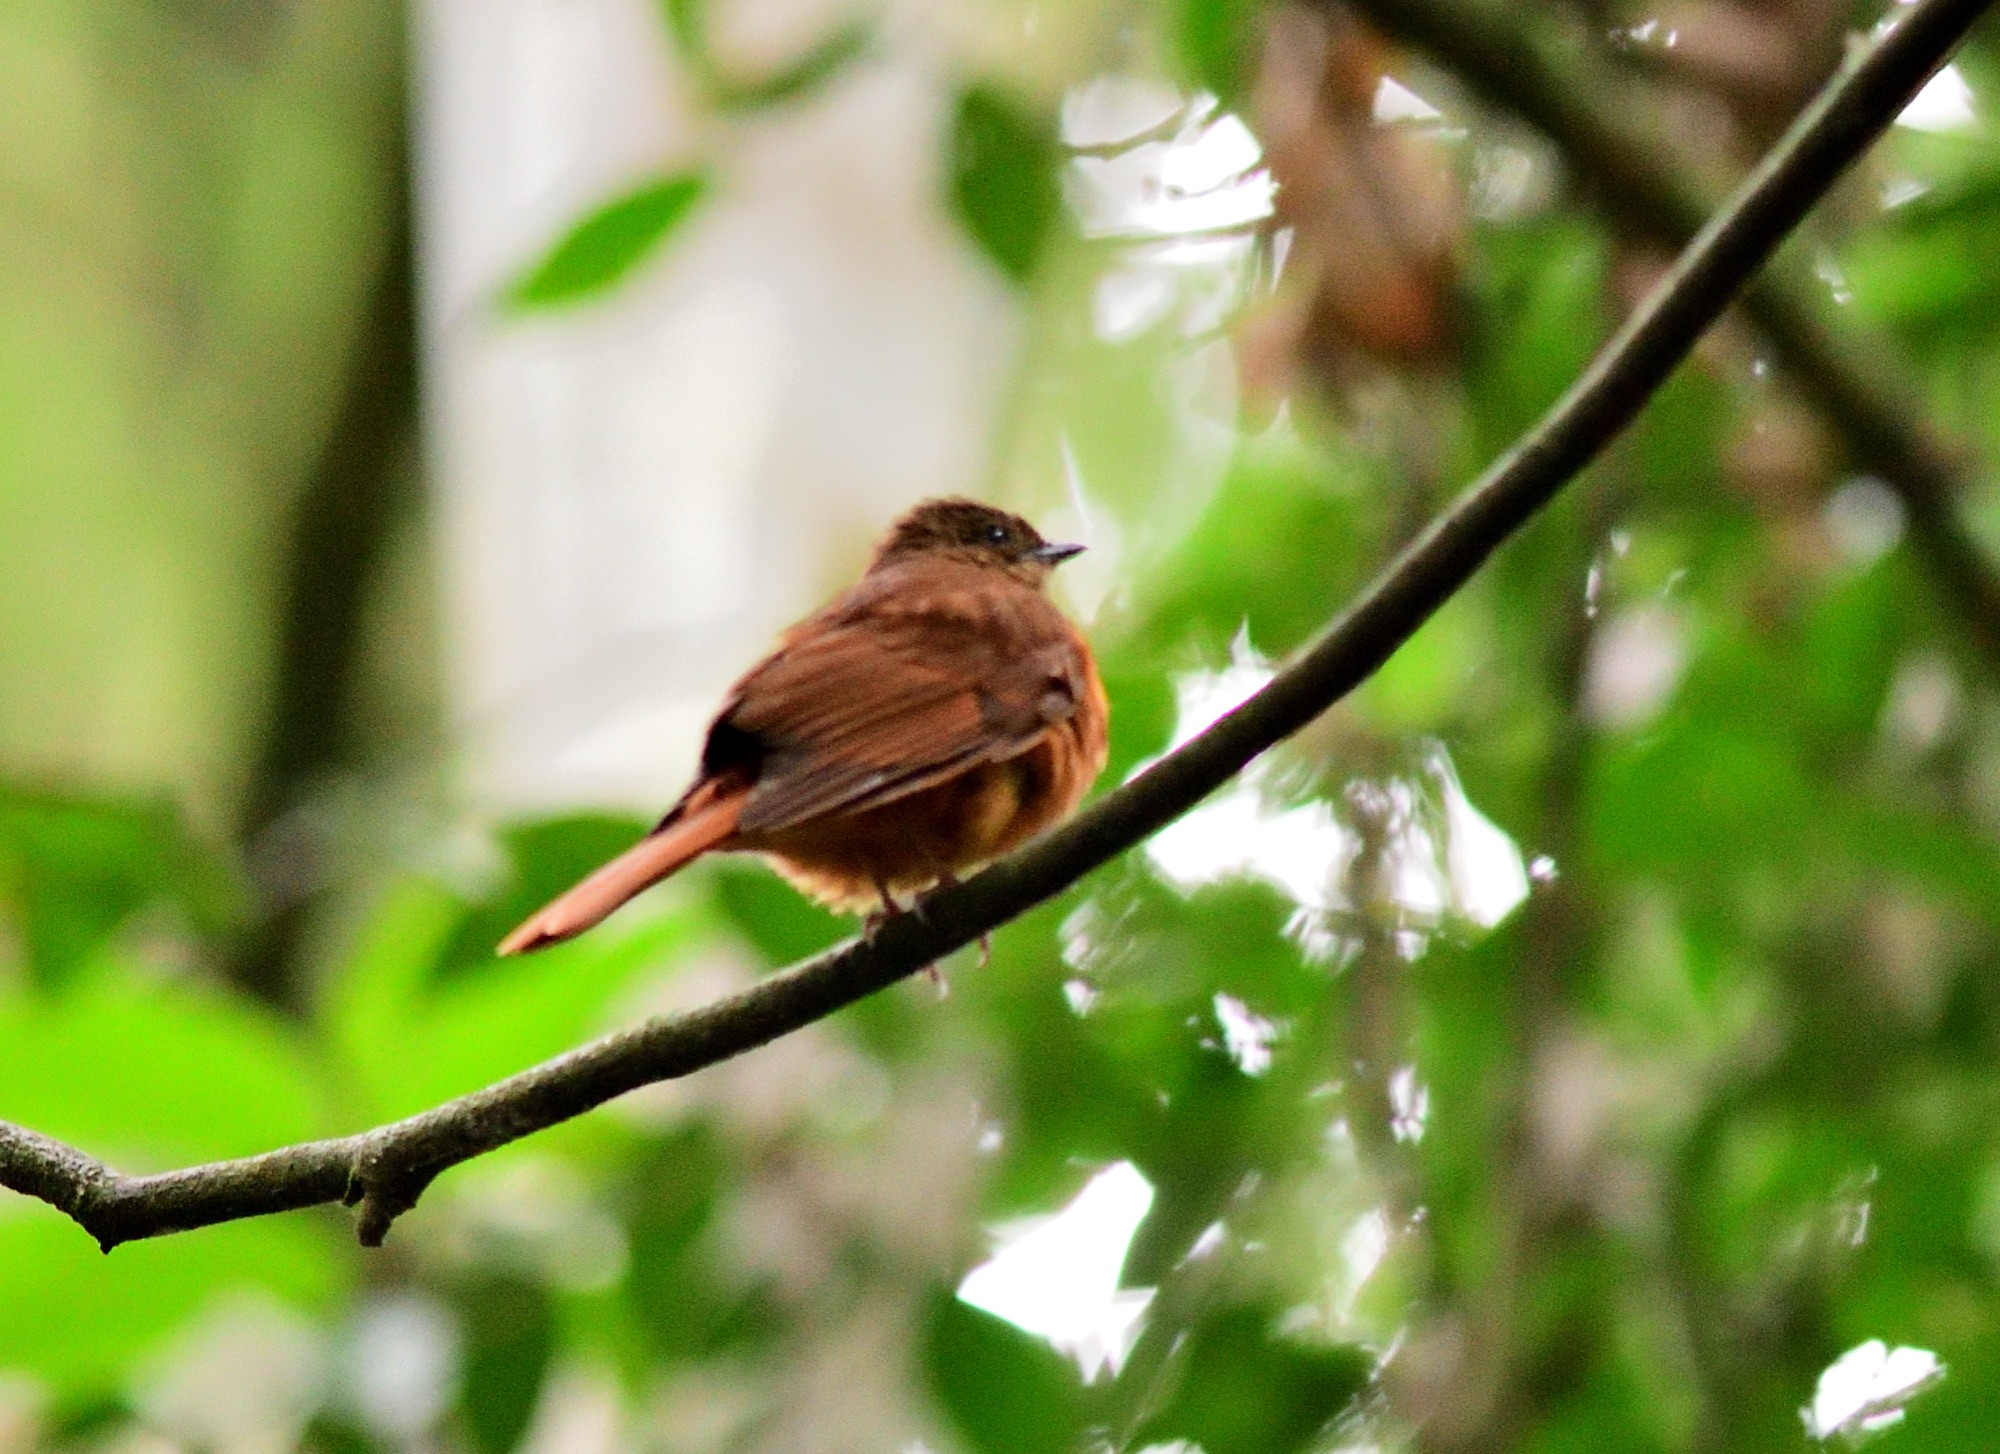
(939, 713)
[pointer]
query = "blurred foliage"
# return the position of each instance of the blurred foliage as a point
(1627, 1163)
(1244, 1392)
(1931, 270)
(194, 212)
(609, 243)
(1007, 1391)
(1004, 168)
(74, 871)
(603, 247)
(1217, 41)
(820, 63)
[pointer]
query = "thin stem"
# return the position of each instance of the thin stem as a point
(387, 1169)
(1851, 380)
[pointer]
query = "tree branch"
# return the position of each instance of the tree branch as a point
(1850, 379)
(385, 1170)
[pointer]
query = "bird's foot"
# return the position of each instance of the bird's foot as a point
(945, 879)
(949, 880)
(874, 919)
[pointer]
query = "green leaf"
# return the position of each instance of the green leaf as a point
(1246, 1392)
(1419, 688)
(1216, 41)
(687, 27)
(1678, 437)
(687, 1301)
(154, 1074)
(1007, 1391)
(1933, 268)
(75, 869)
(1538, 316)
(804, 76)
(547, 857)
(78, 1320)
(1004, 177)
(1943, 284)
(368, 1007)
(602, 249)
(784, 925)
(510, 1342)
(150, 1076)
(1279, 547)
(411, 1039)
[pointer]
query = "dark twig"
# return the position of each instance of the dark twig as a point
(1851, 380)
(385, 1170)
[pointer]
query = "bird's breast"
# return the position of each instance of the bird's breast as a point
(905, 846)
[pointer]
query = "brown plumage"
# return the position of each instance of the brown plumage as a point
(936, 715)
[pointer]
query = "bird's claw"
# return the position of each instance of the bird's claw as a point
(873, 921)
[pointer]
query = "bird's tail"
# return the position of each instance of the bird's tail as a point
(705, 820)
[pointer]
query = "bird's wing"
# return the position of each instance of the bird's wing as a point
(900, 687)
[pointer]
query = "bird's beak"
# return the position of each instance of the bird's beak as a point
(1052, 554)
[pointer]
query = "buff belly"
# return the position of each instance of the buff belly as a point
(912, 843)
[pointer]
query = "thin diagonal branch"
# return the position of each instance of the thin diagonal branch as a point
(1850, 379)
(387, 1169)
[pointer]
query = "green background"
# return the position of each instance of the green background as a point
(1714, 1105)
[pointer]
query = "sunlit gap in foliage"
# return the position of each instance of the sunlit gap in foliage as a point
(1057, 1277)
(1636, 662)
(1945, 104)
(1396, 102)
(1247, 1036)
(246, 1373)
(399, 1365)
(1180, 186)
(1867, 1388)
(1864, 520)
(1442, 859)
(1088, 581)
(1363, 1232)
(1362, 1252)
(1409, 1104)
(1925, 703)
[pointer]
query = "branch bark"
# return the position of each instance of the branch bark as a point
(1851, 379)
(385, 1170)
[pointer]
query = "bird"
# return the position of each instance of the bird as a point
(935, 715)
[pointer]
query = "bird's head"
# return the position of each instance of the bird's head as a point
(967, 530)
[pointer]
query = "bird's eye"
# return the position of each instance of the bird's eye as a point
(996, 534)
